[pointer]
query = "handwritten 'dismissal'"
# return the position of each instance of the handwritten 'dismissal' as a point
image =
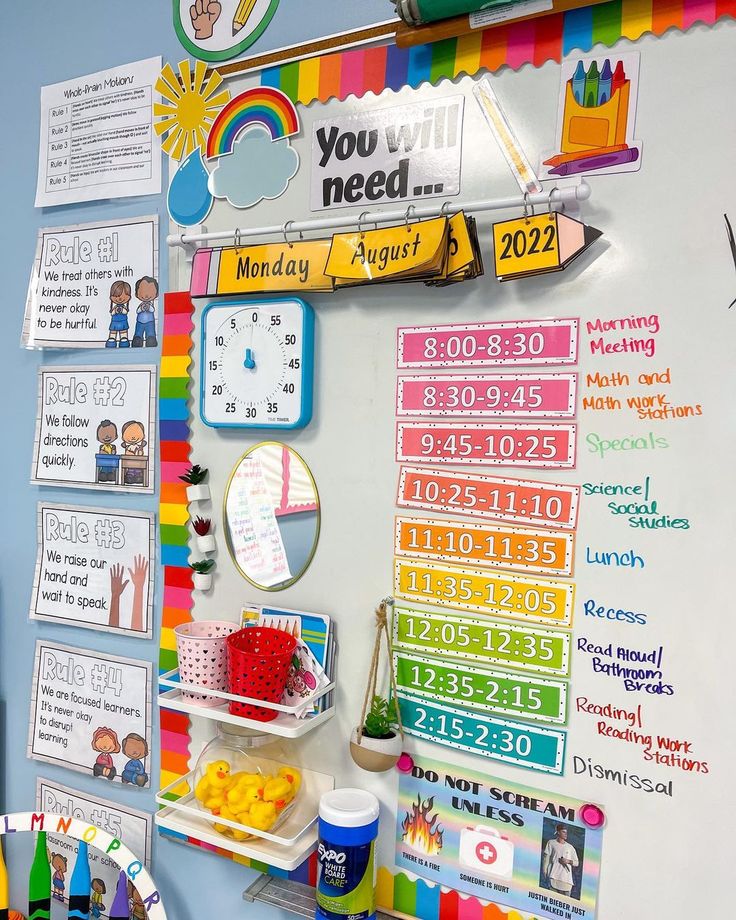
(96, 428)
(95, 568)
(91, 713)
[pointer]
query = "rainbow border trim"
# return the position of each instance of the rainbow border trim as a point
(550, 38)
(174, 436)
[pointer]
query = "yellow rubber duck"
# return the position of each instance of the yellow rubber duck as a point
(277, 790)
(262, 816)
(235, 833)
(294, 778)
(211, 789)
(243, 795)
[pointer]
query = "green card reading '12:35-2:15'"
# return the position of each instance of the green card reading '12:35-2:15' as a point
(483, 640)
(528, 697)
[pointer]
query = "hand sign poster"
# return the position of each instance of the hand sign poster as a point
(216, 31)
(94, 569)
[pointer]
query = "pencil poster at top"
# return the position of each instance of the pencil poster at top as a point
(596, 117)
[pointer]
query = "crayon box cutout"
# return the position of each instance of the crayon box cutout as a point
(600, 126)
(484, 850)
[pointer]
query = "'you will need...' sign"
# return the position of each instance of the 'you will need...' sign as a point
(396, 154)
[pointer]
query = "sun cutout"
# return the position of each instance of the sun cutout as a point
(184, 120)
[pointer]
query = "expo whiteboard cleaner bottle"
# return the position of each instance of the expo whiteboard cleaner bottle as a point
(346, 883)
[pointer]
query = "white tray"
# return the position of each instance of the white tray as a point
(301, 817)
(286, 724)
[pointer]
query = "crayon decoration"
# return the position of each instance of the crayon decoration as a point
(619, 77)
(80, 885)
(120, 909)
(39, 883)
(591, 86)
(604, 83)
(578, 83)
(4, 892)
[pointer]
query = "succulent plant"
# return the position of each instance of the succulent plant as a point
(201, 526)
(203, 566)
(194, 475)
(382, 718)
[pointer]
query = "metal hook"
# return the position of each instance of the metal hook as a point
(549, 203)
(237, 238)
(527, 205)
(285, 230)
(408, 215)
(445, 209)
(361, 231)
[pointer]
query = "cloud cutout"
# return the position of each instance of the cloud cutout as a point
(257, 168)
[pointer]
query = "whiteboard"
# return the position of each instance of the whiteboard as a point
(664, 251)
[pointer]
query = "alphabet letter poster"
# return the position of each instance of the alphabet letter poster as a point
(537, 852)
(388, 156)
(127, 824)
(96, 428)
(94, 568)
(94, 286)
(91, 712)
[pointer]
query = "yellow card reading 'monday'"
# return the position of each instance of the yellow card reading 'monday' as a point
(271, 268)
(390, 253)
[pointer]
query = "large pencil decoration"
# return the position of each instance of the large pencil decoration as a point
(39, 883)
(120, 909)
(80, 886)
(4, 892)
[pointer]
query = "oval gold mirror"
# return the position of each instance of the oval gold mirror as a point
(271, 516)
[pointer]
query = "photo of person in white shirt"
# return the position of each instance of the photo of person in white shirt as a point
(559, 859)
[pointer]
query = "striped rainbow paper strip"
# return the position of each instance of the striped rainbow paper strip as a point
(174, 437)
(550, 38)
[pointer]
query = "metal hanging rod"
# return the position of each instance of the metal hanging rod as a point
(559, 196)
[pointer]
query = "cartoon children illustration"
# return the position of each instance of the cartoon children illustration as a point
(134, 438)
(105, 742)
(146, 290)
(96, 905)
(107, 434)
(135, 903)
(136, 749)
(120, 297)
(59, 865)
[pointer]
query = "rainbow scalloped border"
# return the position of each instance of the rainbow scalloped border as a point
(174, 436)
(535, 41)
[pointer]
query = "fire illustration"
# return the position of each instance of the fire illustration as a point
(419, 828)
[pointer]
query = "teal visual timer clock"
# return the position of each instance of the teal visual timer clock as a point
(257, 364)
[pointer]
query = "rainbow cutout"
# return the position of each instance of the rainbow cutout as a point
(262, 105)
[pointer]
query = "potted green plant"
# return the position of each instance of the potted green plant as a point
(376, 744)
(205, 539)
(202, 577)
(197, 491)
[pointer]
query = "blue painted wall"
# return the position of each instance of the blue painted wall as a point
(45, 43)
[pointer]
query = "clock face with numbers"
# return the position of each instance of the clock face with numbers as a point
(257, 364)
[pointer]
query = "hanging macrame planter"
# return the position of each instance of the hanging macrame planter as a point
(376, 744)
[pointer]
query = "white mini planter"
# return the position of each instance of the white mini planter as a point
(376, 755)
(206, 544)
(202, 581)
(198, 493)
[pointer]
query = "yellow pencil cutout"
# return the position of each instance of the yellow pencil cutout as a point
(242, 14)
